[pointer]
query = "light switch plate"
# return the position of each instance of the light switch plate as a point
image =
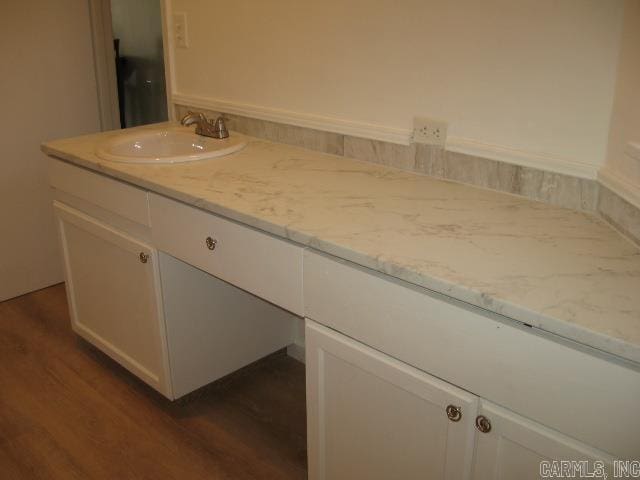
(180, 30)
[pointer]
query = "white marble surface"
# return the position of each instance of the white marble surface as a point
(564, 271)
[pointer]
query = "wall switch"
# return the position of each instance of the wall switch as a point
(429, 131)
(180, 30)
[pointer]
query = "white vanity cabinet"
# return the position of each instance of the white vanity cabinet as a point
(173, 325)
(515, 446)
(402, 382)
(372, 417)
(113, 287)
(370, 340)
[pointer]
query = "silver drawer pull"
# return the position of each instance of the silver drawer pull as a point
(144, 258)
(454, 413)
(483, 424)
(211, 243)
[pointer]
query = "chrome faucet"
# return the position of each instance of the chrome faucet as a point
(208, 128)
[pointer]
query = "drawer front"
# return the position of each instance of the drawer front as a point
(584, 396)
(118, 197)
(266, 266)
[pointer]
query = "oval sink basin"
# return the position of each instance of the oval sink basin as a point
(167, 146)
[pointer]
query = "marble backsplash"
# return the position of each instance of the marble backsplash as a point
(624, 216)
(541, 185)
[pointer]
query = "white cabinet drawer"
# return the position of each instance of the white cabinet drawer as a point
(587, 397)
(118, 197)
(266, 266)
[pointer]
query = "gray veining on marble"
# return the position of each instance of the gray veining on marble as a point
(621, 214)
(541, 185)
(383, 153)
(548, 187)
(430, 160)
(563, 271)
(558, 189)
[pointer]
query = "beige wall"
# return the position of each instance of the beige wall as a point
(622, 168)
(47, 90)
(527, 80)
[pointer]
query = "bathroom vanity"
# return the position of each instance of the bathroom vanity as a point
(450, 332)
(172, 330)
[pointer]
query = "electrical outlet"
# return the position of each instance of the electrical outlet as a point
(429, 131)
(180, 30)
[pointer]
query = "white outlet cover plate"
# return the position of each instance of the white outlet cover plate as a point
(429, 131)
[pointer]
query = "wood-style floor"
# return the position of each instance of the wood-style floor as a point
(69, 412)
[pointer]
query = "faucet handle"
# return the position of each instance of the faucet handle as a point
(219, 127)
(219, 118)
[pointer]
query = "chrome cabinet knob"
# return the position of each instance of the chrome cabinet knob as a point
(211, 243)
(144, 258)
(483, 424)
(454, 413)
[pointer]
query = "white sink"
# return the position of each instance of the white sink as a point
(167, 145)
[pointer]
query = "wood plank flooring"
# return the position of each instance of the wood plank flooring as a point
(69, 412)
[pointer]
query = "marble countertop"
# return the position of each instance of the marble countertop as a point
(563, 271)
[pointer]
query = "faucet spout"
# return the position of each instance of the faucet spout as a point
(190, 118)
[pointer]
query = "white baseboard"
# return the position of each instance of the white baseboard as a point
(296, 351)
(628, 191)
(389, 134)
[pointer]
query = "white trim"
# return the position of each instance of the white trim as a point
(167, 48)
(389, 134)
(104, 64)
(619, 185)
(316, 122)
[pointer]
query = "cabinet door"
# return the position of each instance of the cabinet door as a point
(514, 447)
(114, 295)
(371, 417)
